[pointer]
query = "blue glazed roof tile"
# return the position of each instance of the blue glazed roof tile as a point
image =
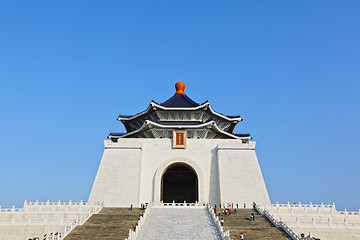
(179, 101)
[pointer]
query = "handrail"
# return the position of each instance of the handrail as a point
(330, 207)
(91, 207)
(59, 203)
(312, 216)
(224, 234)
(281, 224)
(134, 233)
(13, 209)
(67, 229)
(43, 204)
(302, 205)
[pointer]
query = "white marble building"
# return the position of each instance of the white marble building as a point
(179, 151)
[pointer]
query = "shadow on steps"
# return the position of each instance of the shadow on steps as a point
(109, 223)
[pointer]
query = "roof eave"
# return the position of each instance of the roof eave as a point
(154, 105)
(136, 115)
(205, 104)
(238, 119)
(149, 124)
(141, 129)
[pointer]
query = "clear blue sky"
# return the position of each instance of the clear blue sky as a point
(291, 69)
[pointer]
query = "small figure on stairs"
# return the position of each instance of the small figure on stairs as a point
(241, 236)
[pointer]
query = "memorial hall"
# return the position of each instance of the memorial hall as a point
(178, 172)
(179, 151)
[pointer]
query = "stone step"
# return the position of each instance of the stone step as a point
(109, 223)
(177, 223)
(259, 229)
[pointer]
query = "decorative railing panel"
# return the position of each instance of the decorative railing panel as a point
(134, 233)
(53, 215)
(280, 224)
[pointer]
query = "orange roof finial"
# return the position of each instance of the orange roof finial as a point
(180, 86)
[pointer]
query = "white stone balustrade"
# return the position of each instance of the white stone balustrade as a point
(184, 204)
(280, 224)
(310, 215)
(95, 208)
(321, 220)
(225, 235)
(36, 219)
(133, 234)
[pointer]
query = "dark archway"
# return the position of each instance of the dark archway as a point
(179, 183)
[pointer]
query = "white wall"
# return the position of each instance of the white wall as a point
(131, 169)
(240, 175)
(118, 179)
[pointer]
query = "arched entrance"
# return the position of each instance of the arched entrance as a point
(179, 183)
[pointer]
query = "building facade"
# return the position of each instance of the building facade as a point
(179, 151)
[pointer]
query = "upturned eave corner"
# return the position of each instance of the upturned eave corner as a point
(128, 118)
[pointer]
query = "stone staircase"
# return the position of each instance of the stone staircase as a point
(260, 229)
(179, 223)
(176, 223)
(109, 223)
